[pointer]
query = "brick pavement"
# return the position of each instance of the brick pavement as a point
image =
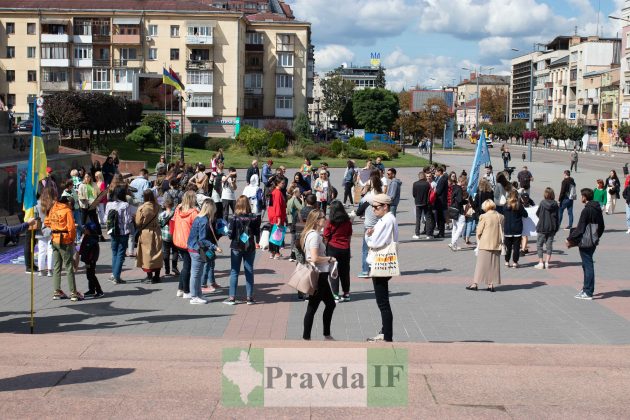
(429, 301)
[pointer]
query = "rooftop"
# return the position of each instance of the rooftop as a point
(135, 5)
(486, 79)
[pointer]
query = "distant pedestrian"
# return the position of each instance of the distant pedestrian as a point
(586, 237)
(349, 178)
(626, 196)
(456, 211)
(149, 255)
(119, 221)
(393, 189)
(89, 252)
(600, 194)
(420, 192)
(489, 240)
(169, 251)
(613, 187)
(568, 194)
(574, 160)
(506, 156)
(525, 179)
(513, 228)
(546, 228)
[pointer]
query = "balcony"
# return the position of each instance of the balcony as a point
(199, 39)
(55, 62)
(198, 111)
(200, 88)
(254, 48)
(78, 86)
(128, 39)
(101, 62)
(199, 64)
(82, 39)
(284, 112)
(285, 47)
(284, 70)
(127, 62)
(253, 66)
(101, 85)
(606, 116)
(55, 38)
(101, 39)
(253, 91)
(591, 121)
(284, 91)
(82, 62)
(48, 86)
(123, 86)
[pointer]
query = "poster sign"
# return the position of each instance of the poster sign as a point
(625, 110)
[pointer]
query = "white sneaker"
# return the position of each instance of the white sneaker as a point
(198, 301)
(180, 293)
(186, 295)
(40, 274)
(49, 273)
(376, 338)
(415, 237)
(540, 266)
(546, 266)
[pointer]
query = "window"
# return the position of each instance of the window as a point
(197, 77)
(174, 31)
(284, 81)
(152, 53)
(199, 54)
(30, 28)
(153, 30)
(128, 54)
(82, 52)
(284, 102)
(200, 31)
(32, 76)
(101, 79)
(254, 38)
(174, 53)
(627, 88)
(54, 76)
(285, 60)
(124, 75)
(128, 30)
(10, 75)
(82, 27)
(285, 42)
(199, 101)
(253, 81)
(10, 100)
(30, 52)
(10, 52)
(54, 51)
(10, 28)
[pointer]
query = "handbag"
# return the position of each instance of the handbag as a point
(384, 261)
(589, 237)
(453, 213)
(304, 278)
(277, 235)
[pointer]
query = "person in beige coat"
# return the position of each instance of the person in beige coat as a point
(490, 241)
(149, 256)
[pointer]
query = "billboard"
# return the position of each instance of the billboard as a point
(419, 98)
(153, 94)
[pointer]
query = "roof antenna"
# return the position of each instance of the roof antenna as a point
(576, 30)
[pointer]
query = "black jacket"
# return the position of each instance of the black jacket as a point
(457, 198)
(547, 217)
(480, 197)
(513, 221)
(592, 213)
(565, 188)
(626, 194)
(252, 171)
(420, 192)
(241, 224)
(616, 184)
(441, 191)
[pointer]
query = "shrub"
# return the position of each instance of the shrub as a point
(278, 141)
(310, 152)
(217, 143)
(337, 147)
(275, 153)
(355, 153)
(373, 154)
(384, 147)
(254, 139)
(279, 125)
(142, 136)
(357, 142)
(194, 141)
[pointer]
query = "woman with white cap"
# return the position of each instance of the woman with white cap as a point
(382, 234)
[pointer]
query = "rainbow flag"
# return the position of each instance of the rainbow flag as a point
(37, 163)
(176, 78)
(168, 79)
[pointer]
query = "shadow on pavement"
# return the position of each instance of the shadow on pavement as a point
(616, 293)
(427, 271)
(510, 287)
(68, 377)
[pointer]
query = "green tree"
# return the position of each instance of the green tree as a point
(380, 81)
(375, 109)
(410, 121)
(142, 136)
(254, 139)
(492, 103)
(158, 123)
(433, 121)
(336, 92)
(624, 132)
(301, 126)
(278, 141)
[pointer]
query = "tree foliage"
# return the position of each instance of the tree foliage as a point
(375, 109)
(142, 136)
(410, 121)
(624, 132)
(492, 104)
(158, 123)
(432, 122)
(336, 92)
(380, 81)
(505, 131)
(301, 126)
(254, 139)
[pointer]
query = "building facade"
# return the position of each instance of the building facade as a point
(467, 89)
(236, 66)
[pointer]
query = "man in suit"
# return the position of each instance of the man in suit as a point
(420, 192)
(441, 200)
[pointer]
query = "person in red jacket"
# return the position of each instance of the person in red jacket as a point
(337, 234)
(277, 213)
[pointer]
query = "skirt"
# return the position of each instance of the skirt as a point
(488, 269)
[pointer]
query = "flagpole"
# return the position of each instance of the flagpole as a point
(165, 146)
(32, 323)
(171, 131)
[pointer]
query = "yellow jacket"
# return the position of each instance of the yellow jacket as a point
(490, 231)
(60, 219)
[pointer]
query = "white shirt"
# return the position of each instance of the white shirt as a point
(314, 241)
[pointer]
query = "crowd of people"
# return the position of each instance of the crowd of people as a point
(172, 224)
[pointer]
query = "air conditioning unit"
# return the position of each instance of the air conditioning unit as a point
(148, 38)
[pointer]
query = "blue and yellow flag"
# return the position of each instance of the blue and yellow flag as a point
(167, 79)
(36, 168)
(482, 157)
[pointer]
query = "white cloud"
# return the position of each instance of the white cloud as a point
(332, 56)
(426, 71)
(494, 45)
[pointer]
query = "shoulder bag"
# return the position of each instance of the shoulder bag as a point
(384, 261)
(304, 277)
(589, 237)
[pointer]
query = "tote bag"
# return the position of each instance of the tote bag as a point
(304, 278)
(264, 240)
(385, 261)
(277, 235)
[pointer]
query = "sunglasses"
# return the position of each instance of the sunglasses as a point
(377, 207)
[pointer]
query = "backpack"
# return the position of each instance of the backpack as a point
(245, 239)
(432, 196)
(572, 192)
(113, 227)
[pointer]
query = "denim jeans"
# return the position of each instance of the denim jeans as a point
(119, 244)
(628, 215)
(566, 204)
(196, 270)
(247, 258)
(184, 274)
(589, 270)
(471, 226)
(365, 267)
(208, 272)
(78, 220)
(393, 209)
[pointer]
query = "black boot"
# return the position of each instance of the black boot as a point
(156, 277)
(149, 278)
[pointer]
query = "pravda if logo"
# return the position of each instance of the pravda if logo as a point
(305, 377)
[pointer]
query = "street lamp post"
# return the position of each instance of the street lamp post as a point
(401, 115)
(182, 98)
(478, 73)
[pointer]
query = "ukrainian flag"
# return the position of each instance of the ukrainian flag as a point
(36, 168)
(168, 79)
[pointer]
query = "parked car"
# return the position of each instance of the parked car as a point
(27, 125)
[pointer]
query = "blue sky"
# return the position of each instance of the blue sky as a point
(427, 42)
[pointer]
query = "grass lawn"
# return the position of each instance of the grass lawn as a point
(129, 151)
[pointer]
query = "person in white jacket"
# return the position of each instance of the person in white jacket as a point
(382, 234)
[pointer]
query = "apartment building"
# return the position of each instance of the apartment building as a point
(624, 77)
(467, 88)
(521, 85)
(236, 66)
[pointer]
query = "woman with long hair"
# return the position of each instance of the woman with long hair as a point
(87, 193)
(244, 228)
(47, 198)
(322, 189)
(547, 227)
(183, 219)
(349, 177)
(613, 187)
(312, 245)
(300, 182)
(306, 169)
(501, 191)
(277, 213)
(201, 248)
(337, 234)
(513, 216)
(458, 218)
(489, 240)
(117, 181)
(100, 184)
(149, 255)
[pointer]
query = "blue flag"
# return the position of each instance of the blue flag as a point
(36, 168)
(482, 157)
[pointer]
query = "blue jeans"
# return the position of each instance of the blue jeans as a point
(365, 267)
(78, 220)
(235, 267)
(469, 229)
(119, 244)
(196, 269)
(393, 209)
(208, 272)
(589, 270)
(628, 215)
(566, 204)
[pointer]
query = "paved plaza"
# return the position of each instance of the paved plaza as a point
(434, 317)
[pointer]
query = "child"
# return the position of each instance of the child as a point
(599, 194)
(523, 156)
(294, 206)
(89, 252)
(169, 251)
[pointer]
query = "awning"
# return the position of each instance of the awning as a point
(55, 21)
(127, 21)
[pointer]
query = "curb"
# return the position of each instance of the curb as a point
(550, 149)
